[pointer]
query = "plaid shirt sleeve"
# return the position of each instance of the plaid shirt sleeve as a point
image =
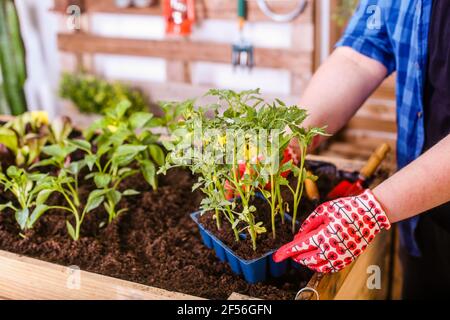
(367, 34)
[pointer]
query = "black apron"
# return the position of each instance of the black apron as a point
(428, 277)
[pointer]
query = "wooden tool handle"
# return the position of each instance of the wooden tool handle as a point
(311, 189)
(375, 160)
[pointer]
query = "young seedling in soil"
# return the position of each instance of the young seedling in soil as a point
(305, 138)
(116, 129)
(108, 175)
(66, 183)
(31, 191)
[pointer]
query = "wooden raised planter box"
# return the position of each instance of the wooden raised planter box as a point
(27, 278)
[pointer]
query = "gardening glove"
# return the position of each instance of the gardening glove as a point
(336, 233)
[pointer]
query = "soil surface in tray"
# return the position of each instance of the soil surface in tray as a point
(154, 243)
(265, 241)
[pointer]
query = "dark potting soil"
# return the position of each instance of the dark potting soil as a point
(265, 242)
(154, 243)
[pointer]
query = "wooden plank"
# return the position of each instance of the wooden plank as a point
(181, 50)
(178, 71)
(351, 151)
(209, 9)
(371, 123)
(397, 270)
(368, 137)
(238, 296)
(317, 13)
(27, 278)
(386, 89)
(355, 286)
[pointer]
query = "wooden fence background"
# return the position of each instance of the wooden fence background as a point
(373, 124)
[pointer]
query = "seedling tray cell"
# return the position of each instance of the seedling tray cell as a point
(255, 270)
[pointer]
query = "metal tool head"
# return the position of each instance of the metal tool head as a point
(242, 55)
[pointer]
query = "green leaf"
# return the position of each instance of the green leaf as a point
(37, 213)
(7, 205)
(70, 230)
(149, 172)
(157, 154)
(43, 163)
(103, 148)
(122, 108)
(286, 166)
(43, 196)
(58, 151)
(125, 154)
(130, 192)
(14, 172)
(102, 180)
(139, 119)
(75, 167)
(114, 196)
(283, 181)
(9, 139)
(281, 103)
(22, 217)
(95, 199)
(81, 144)
(90, 160)
(259, 229)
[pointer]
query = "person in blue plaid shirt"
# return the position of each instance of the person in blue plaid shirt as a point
(411, 38)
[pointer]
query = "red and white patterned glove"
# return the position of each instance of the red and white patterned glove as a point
(336, 233)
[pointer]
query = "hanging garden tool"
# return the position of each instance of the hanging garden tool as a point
(350, 189)
(279, 17)
(180, 16)
(242, 50)
(136, 3)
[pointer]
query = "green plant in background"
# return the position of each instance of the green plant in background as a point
(25, 136)
(344, 11)
(12, 61)
(232, 161)
(91, 94)
(173, 113)
(30, 191)
(60, 130)
(117, 129)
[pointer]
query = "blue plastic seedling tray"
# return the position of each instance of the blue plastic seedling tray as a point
(255, 270)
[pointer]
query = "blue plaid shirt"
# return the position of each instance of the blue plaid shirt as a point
(395, 33)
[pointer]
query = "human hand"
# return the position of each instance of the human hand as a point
(336, 233)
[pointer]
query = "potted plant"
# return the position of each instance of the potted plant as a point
(245, 170)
